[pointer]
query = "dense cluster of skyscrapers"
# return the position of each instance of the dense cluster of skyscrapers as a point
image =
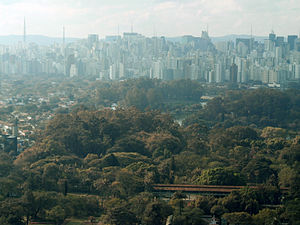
(272, 61)
(276, 60)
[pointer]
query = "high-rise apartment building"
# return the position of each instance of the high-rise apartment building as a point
(291, 41)
(272, 36)
(92, 39)
(233, 73)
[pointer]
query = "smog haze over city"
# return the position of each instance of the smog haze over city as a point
(168, 18)
(150, 112)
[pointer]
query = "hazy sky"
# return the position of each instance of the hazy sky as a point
(166, 17)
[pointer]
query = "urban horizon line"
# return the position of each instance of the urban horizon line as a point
(149, 36)
(120, 34)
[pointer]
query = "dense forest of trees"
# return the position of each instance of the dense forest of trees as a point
(256, 108)
(101, 164)
(148, 93)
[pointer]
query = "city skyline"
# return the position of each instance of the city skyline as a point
(154, 17)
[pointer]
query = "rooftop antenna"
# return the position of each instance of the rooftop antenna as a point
(131, 27)
(24, 34)
(251, 40)
(64, 37)
(207, 28)
(118, 30)
(64, 49)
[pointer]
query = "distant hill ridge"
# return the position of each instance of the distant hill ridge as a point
(231, 37)
(45, 40)
(39, 39)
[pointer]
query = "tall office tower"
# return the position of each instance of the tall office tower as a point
(157, 70)
(238, 61)
(233, 73)
(269, 45)
(291, 41)
(73, 70)
(244, 71)
(297, 44)
(297, 71)
(278, 54)
(265, 75)
(92, 39)
(273, 78)
(205, 35)
(242, 49)
(245, 41)
(211, 76)
(116, 71)
(64, 49)
(222, 46)
(121, 70)
(279, 41)
(218, 72)
(272, 36)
